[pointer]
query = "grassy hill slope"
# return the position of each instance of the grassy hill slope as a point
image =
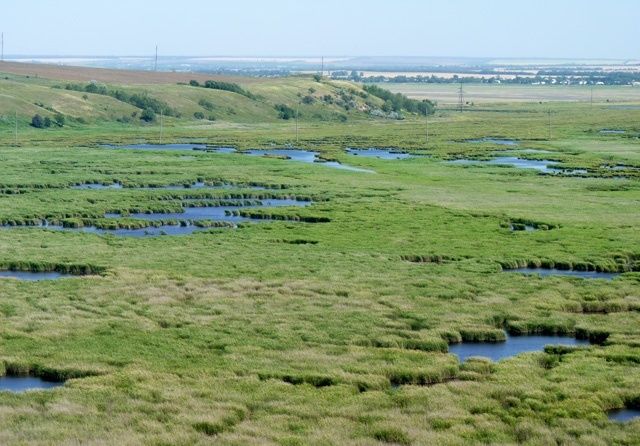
(314, 100)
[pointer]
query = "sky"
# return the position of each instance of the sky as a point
(462, 28)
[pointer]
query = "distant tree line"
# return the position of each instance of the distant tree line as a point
(397, 101)
(149, 105)
(564, 77)
(224, 86)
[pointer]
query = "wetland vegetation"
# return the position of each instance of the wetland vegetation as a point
(338, 318)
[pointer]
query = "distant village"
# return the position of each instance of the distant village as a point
(548, 77)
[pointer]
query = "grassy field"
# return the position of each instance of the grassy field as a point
(336, 332)
(448, 94)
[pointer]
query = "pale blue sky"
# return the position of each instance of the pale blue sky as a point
(499, 28)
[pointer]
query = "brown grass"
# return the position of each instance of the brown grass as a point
(86, 74)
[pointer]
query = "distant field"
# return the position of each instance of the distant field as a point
(85, 74)
(476, 93)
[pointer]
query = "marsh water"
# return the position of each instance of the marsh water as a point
(196, 185)
(561, 272)
(545, 166)
(385, 154)
(613, 132)
(225, 150)
(512, 346)
(19, 384)
(525, 228)
(97, 186)
(305, 156)
(218, 213)
(620, 167)
(156, 146)
(496, 141)
(182, 223)
(32, 276)
(624, 415)
(521, 163)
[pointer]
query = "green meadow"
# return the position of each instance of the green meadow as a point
(327, 324)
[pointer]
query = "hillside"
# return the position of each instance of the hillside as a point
(182, 98)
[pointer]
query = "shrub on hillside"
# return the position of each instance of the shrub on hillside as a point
(41, 123)
(148, 115)
(206, 104)
(59, 119)
(285, 112)
(397, 102)
(37, 122)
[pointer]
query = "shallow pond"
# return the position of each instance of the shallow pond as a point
(385, 154)
(97, 186)
(496, 141)
(156, 146)
(185, 219)
(19, 384)
(224, 150)
(218, 213)
(305, 156)
(624, 415)
(521, 163)
(525, 228)
(512, 151)
(136, 233)
(512, 346)
(545, 166)
(620, 167)
(33, 276)
(562, 272)
(197, 185)
(613, 132)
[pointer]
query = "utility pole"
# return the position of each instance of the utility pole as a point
(592, 95)
(297, 131)
(2, 51)
(155, 65)
(161, 123)
(460, 98)
(322, 69)
(16, 118)
(549, 112)
(426, 119)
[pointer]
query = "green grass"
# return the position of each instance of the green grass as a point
(479, 94)
(28, 96)
(300, 333)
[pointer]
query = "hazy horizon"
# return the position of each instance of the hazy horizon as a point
(283, 28)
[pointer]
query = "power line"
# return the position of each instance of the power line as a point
(460, 98)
